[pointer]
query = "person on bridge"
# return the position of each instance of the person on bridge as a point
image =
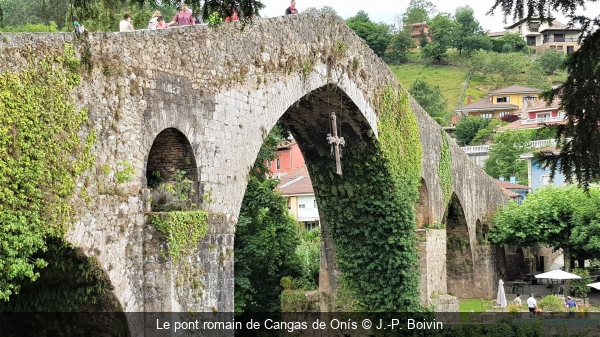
(183, 18)
(292, 9)
(154, 21)
(125, 25)
(161, 24)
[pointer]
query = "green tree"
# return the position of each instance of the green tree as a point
(434, 51)
(466, 26)
(481, 62)
(265, 240)
(551, 60)
(418, 11)
(430, 98)
(486, 134)
(442, 29)
(467, 129)
(508, 65)
(504, 155)
(514, 40)
(400, 43)
(552, 216)
(376, 35)
(579, 139)
(324, 9)
(477, 42)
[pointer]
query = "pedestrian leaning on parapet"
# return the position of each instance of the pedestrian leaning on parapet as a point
(125, 25)
(154, 21)
(161, 23)
(292, 9)
(183, 18)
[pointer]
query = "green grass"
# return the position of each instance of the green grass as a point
(451, 77)
(465, 306)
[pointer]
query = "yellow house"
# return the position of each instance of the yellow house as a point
(500, 102)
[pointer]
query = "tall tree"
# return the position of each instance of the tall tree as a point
(376, 35)
(324, 9)
(466, 26)
(430, 98)
(504, 155)
(435, 52)
(418, 11)
(400, 43)
(441, 29)
(579, 139)
(559, 217)
(551, 60)
(467, 128)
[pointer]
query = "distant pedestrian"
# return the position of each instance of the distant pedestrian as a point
(517, 301)
(571, 306)
(183, 18)
(532, 304)
(154, 21)
(292, 9)
(161, 24)
(125, 25)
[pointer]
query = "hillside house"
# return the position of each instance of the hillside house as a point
(543, 35)
(288, 158)
(538, 176)
(499, 102)
(417, 30)
(296, 187)
(536, 115)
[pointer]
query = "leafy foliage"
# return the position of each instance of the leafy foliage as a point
(467, 129)
(552, 303)
(400, 43)
(485, 135)
(509, 118)
(430, 98)
(434, 51)
(442, 29)
(418, 11)
(551, 61)
(41, 155)
(466, 27)
(324, 9)
(580, 287)
(579, 138)
(513, 40)
(559, 217)
(445, 169)
(183, 230)
(376, 35)
(504, 155)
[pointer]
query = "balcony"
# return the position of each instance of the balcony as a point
(543, 120)
(560, 39)
(486, 148)
(476, 149)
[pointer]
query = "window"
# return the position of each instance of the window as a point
(542, 115)
(531, 41)
(559, 37)
(534, 27)
(502, 99)
(486, 115)
(552, 47)
(503, 113)
(559, 47)
(278, 163)
(529, 98)
(302, 206)
(570, 50)
(268, 163)
(545, 179)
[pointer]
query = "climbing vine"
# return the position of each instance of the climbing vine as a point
(183, 230)
(445, 169)
(41, 155)
(370, 209)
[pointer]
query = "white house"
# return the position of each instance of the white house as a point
(543, 35)
(297, 188)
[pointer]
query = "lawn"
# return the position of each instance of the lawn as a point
(465, 306)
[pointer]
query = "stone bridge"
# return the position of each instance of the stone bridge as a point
(203, 100)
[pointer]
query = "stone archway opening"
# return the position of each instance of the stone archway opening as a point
(362, 211)
(172, 172)
(459, 258)
(422, 206)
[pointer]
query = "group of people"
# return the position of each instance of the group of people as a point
(570, 305)
(182, 18)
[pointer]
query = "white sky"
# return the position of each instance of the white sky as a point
(384, 10)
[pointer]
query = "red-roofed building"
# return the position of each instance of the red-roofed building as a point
(499, 102)
(536, 115)
(288, 159)
(296, 187)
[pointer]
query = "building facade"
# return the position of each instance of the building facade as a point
(288, 158)
(499, 102)
(544, 35)
(296, 187)
(537, 175)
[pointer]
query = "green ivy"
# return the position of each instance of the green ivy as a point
(183, 230)
(445, 169)
(41, 155)
(370, 209)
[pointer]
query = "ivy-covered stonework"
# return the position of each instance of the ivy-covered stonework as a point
(370, 209)
(445, 169)
(183, 229)
(41, 154)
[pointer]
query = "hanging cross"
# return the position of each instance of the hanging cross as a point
(335, 142)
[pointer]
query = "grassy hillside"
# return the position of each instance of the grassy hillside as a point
(451, 77)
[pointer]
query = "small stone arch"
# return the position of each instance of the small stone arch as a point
(423, 210)
(459, 263)
(171, 159)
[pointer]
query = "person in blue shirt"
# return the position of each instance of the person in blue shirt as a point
(571, 306)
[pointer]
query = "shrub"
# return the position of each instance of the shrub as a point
(509, 118)
(552, 303)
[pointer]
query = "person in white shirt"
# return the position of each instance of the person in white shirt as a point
(532, 304)
(154, 21)
(125, 25)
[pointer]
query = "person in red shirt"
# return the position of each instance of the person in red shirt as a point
(233, 17)
(161, 24)
(183, 18)
(292, 9)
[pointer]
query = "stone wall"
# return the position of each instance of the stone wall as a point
(432, 261)
(223, 89)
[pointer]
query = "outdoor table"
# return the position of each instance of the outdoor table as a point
(517, 287)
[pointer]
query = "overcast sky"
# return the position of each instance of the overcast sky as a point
(384, 10)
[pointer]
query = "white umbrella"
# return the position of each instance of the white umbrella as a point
(501, 295)
(558, 275)
(595, 285)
